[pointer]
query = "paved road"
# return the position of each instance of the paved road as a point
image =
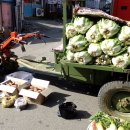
(37, 48)
(44, 117)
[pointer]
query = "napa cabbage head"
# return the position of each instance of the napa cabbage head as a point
(77, 43)
(128, 50)
(111, 47)
(70, 30)
(82, 24)
(121, 61)
(108, 28)
(124, 35)
(93, 34)
(69, 56)
(94, 50)
(103, 60)
(83, 57)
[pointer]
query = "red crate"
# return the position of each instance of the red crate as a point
(121, 9)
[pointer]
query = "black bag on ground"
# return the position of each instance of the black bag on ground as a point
(67, 110)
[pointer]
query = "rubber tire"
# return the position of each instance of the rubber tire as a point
(105, 95)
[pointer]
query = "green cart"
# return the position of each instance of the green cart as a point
(114, 94)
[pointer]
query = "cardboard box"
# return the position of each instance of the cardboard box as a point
(20, 75)
(8, 89)
(12, 90)
(36, 97)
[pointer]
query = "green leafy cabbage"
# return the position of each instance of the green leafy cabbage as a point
(82, 24)
(70, 30)
(94, 50)
(93, 34)
(77, 43)
(124, 35)
(121, 61)
(103, 60)
(69, 56)
(83, 57)
(108, 28)
(128, 50)
(111, 47)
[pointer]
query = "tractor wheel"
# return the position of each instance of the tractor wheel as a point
(114, 99)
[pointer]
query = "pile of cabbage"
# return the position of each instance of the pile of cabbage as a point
(101, 42)
(103, 121)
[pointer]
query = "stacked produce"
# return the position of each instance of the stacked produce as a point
(35, 89)
(11, 83)
(102, 121)
(99, 41)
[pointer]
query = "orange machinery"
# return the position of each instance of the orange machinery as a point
(6, 63)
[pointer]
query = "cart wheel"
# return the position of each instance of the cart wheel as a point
(114, 99)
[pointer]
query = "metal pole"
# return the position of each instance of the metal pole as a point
(112, 6)
(22, 10)
(42, 3)
(64, 22)
(1, 15)
(16, 17)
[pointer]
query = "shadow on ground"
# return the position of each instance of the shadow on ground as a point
(55, 98)
(68, 85)
(79, 87)
(31, 107)
(80, 114)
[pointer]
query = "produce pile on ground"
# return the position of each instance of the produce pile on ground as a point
(98, 41)
(102, 121)
(35, 89)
